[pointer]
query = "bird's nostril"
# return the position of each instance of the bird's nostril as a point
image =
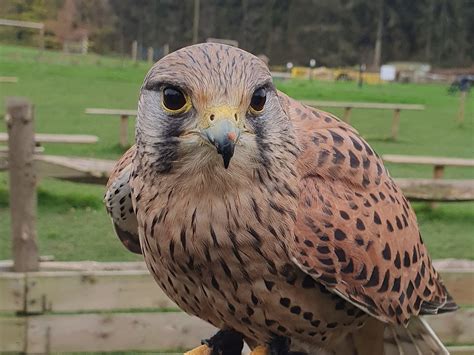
(212, 117)
(235, 116)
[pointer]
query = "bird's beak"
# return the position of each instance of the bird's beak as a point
(222, 133)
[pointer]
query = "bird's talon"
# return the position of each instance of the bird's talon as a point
(260, 350)
(224, 342)
(279, 346)
(200, 350)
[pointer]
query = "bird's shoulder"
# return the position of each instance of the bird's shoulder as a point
(118, 202)
(124, 163)
(355, 231)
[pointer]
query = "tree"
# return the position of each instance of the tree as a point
(334, 32)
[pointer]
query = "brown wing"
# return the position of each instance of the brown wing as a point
(118, 203)
(122, 164)
(355, 232)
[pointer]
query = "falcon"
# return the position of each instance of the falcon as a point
(273, 221)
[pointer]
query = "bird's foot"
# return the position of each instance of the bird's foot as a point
(281, 346)
(224, 342)
(200, 350)
(260, 350)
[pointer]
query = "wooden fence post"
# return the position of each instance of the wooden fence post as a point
(21, 147)
(166, 49)
(123, 139)
(196, 21)
(462, 103)
(134, 50)
(41, 39)
(438, 173)
(150, 53)
(347, 115)
(395, 123)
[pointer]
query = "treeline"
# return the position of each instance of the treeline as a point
(334, 32)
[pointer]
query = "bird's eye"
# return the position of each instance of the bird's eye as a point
(258, 100)
(174, 101)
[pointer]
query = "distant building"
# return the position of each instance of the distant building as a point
(410, 72)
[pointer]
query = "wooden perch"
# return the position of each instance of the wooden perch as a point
(437, 189)
(58, 138)
(123, 114)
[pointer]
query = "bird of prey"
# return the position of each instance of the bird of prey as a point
(273, 221)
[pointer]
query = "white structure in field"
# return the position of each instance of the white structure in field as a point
(388, 72)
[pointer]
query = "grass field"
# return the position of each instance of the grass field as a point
(72, 223)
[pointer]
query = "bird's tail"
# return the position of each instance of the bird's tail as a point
(416, 339)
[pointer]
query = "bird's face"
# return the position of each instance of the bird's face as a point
(209, 107)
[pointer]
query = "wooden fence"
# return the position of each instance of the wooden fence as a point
(347, 106)
(51, 307)
(26, 24)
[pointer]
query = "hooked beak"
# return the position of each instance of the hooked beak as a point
(223, 134)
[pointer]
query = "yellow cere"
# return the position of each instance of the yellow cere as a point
(219, 112)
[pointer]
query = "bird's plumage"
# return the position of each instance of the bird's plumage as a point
(118, 202)
(305, 235)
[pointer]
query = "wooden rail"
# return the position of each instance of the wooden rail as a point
(123, 114)
(434, 189)
(126, 310)
(437, 189)
(4, 150)
(76, 169)
(281, 75)
(106, 111)
(438, 163)
(58, 138)
(26, 24)
(348, 106)
(365, 105)
(170, 333)
(129, 286)
(8, 79)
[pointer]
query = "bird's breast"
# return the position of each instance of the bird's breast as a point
(187, 234)
(223, 259)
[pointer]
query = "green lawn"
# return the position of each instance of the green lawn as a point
(72, 222)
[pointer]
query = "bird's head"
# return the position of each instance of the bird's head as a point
(212, 107)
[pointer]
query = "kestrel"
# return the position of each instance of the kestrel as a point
(273, 221)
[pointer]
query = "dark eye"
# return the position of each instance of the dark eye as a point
(258, 99)
(173, 98)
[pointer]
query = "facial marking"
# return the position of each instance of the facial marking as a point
(233, 109)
